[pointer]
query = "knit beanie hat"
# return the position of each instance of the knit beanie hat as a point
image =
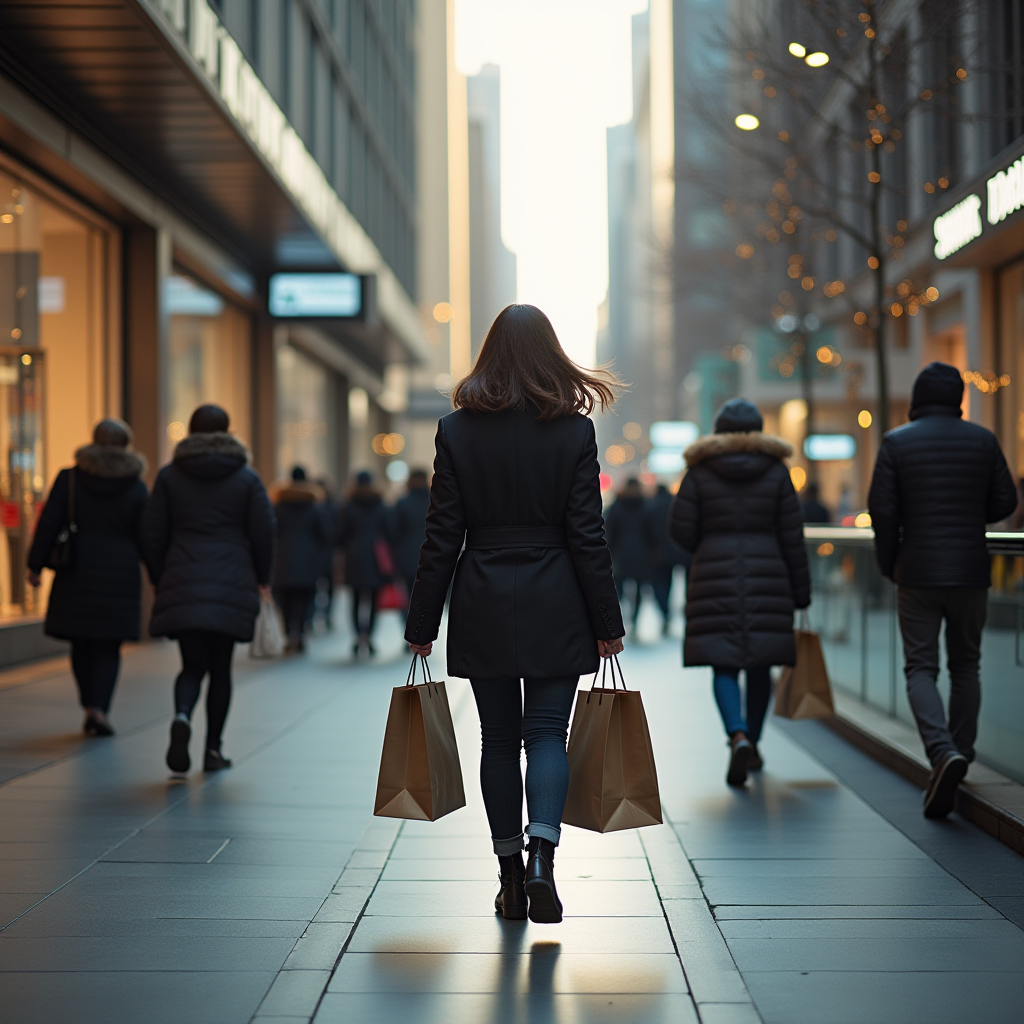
(738, 416)
(938, 384)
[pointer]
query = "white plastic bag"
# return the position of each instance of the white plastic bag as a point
(268, 637)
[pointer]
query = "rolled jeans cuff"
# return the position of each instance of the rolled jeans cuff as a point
(507, 847)
(538, 830)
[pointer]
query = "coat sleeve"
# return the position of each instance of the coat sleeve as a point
(261, 527)
(155, 533)
(789, 527)
(684, 516)
(446, 533)
(584, 527)
(1002, 492)
(49, 524)
(884, 508)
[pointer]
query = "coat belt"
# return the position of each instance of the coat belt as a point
(492, 537)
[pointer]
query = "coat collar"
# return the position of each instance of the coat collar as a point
(755, 442)
(218, 443)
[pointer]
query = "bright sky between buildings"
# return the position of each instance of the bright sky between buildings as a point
(566, 76)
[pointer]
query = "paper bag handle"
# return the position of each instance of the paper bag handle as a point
(428, 678)
(614, 659)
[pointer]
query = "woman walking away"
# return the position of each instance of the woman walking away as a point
(96, 599)
(737, 513)
(363, 534)
(516, 479)
(302, 537)
(208, 541)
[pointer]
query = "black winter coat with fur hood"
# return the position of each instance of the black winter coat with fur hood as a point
(737, 513)
(99, 596)
(208, 539)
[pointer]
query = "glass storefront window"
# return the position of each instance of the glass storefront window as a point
(209, 357)
(54, 343)
(304, 399)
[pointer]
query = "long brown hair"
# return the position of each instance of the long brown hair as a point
(522, 362)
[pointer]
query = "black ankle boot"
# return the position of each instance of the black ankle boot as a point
(511, 899)
(545, 906)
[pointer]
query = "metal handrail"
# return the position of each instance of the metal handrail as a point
(1000, 542)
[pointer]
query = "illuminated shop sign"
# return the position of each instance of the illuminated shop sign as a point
(955, 228)
(829, 447)
(320, 295)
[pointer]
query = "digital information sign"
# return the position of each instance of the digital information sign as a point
(316, 295)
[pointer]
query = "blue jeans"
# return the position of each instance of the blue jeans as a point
(727, 696)
(534, 715)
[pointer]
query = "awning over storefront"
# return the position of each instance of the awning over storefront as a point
(164, 90)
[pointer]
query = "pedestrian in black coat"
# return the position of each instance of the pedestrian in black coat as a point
(208, 541)
(627, 528)
(364, 536)
(737, 513)
(303, 535)
(938, 481)
(665, 556)
(516, 480)
(811, 508)
(96, 600)
(409, 525)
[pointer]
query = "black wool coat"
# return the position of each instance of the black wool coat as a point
(737, 512)
(511, 487)
(362, 526)
(208, 539)
(99, 596)
(627, 527)
(303, 535)
(409, 529)
(938, 481)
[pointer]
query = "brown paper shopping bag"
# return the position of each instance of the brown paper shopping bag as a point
(613, 782)
(804, 690)
(420, 775)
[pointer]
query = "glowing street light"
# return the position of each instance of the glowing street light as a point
(797, 50)
(747, 122)
(816, 60)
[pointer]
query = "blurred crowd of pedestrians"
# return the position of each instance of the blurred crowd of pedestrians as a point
(213, 541)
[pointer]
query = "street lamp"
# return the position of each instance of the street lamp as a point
(746, 122)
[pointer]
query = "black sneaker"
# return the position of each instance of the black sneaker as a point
(95, 725)
(177, 753)
(215, 761)
(946, 776)
(739, 762)
(755, 762)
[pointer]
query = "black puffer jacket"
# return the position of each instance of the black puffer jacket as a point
(208, 539)
(631, 541)
(100, 595)
(737, 512)
(938, 481)
(518, 609)
(363, 525)
(303, 534)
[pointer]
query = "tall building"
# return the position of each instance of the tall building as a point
(162, 165)
(492, 266)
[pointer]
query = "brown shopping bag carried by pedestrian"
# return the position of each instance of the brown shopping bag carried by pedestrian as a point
(804, 690)
(420, 775)
(613, 782)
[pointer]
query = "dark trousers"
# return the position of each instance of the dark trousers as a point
(533, 714)
(364, 612)
(727, 697)
(296, 605)
(202, 653)
(922, 611)
(95, 664)
(661, 584)
(633, 586)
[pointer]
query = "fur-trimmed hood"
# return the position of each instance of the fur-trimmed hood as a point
(738, 456)
(210, 456)
(109, 462)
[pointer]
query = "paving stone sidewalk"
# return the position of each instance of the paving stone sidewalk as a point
(270, 893)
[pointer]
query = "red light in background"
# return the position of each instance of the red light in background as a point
(606, 482)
